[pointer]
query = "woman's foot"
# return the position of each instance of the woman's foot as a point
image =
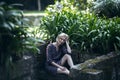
(74, 67)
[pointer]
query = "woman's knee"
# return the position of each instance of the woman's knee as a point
(67, 55)
(63, 71)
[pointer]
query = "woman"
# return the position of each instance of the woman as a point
(57, 54)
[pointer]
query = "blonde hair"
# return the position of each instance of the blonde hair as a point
(62, 35)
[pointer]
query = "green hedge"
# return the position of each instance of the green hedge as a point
(88, 33)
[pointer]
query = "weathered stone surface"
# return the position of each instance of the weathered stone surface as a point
(22, 69)
(105, 67)
(100, 68)
(32, 67)
(91, 74)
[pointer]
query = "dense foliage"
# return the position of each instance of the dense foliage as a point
(88, 33)
(108, 8)
(14, 38)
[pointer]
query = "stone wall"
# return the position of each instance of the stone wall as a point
(105, 67)
(32, 67)
(29, 68)
(23, 69)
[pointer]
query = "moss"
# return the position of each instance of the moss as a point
(92, 71)
(91, 62)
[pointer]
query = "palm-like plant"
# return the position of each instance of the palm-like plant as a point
(88, 32)
(108, 8)
(61, 17)
(14, 39)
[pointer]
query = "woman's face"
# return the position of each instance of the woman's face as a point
(61, 40)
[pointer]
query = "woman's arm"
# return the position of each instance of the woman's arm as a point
(55, 64)
(49, 58)
(58, 66)
(68, 47)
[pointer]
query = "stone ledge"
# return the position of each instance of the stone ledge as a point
(91, 74)
(99, 68)
(92, 71)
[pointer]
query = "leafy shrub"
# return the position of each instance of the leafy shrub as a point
(98, 35)
(88, 33)
(108, 8)
(14, 38)
(60, 17)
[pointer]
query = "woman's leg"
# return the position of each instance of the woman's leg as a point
(66, 71)
(67, 58)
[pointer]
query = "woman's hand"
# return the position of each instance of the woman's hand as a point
(63, 68)
(68, 47)
(67, 42)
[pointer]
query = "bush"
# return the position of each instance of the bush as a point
(14, 38)
(60, 17)
(108, 8)
(88, 33)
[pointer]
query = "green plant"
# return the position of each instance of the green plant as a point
(97, 35)
(108, 8)
(117, 46)
(61, 17)
(14, 38)
(88, 32)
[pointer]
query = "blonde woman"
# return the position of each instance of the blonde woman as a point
(57, 54)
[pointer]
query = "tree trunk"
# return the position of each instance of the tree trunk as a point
(39, 5)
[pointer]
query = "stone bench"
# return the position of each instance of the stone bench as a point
(44, 74)
(105, 67)
(32, 67)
